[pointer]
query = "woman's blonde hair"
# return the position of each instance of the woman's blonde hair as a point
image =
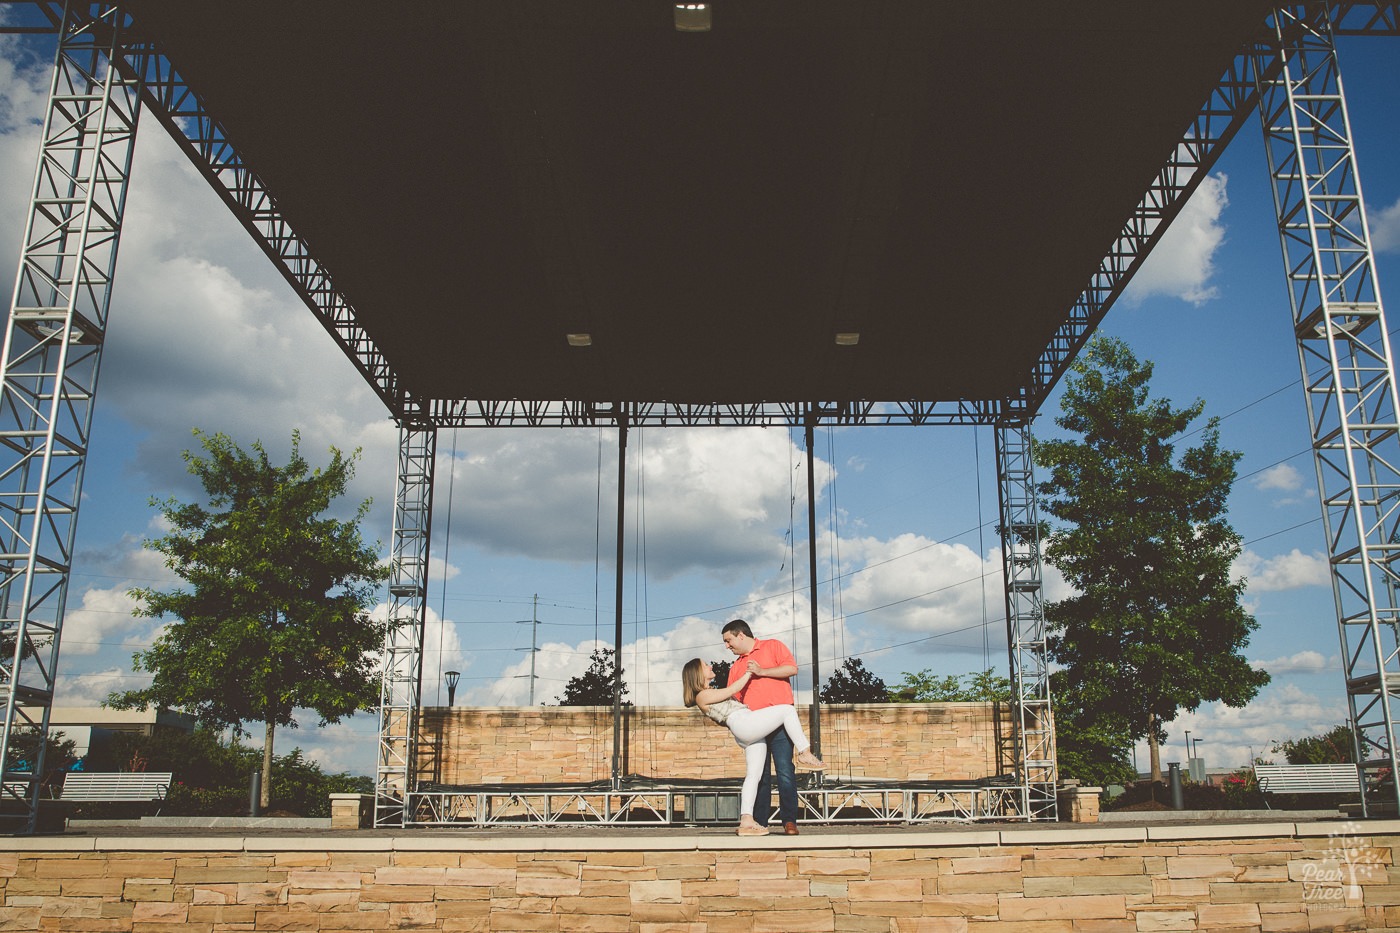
(692, 681)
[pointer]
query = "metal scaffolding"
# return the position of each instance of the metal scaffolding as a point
(48, 376)
(402, 675)
(1033, 727)
(1346, 361)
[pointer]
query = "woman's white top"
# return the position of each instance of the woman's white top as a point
(722, 710)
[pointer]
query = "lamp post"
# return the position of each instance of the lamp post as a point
(451, 677)
(1188, 750)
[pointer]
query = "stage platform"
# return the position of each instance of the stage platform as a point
(644, 800)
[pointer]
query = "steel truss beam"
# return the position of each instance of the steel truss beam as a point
(1346, 360)
(402, 676)
(1033, 727)
(183, 112)
(48, 374)
(676, 806)
(516, 413)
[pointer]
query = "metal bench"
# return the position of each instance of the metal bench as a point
(116, 787)
(1307, 779)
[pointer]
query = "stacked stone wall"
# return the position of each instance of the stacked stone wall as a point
(904, 741)
(1056, 880)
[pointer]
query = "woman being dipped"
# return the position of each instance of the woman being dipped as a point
(749, 727)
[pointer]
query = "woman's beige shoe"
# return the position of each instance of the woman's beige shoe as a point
(808, 760)
(754, 830)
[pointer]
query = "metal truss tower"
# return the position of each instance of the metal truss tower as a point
(1346, 360)
(1033, 726)
(401, 681)
(48, 375)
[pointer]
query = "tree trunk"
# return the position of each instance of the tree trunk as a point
(1154, 753)
(265, 801)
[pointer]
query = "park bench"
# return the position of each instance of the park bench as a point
(1307, 779)
(116, 787)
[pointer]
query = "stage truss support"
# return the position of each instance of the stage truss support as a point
(1033, 725)
(401, 682)
(48, 375)
(1347, 365)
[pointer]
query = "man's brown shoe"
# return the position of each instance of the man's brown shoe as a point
(790, 829)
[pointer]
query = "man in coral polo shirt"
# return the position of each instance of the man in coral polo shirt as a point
(773, 666)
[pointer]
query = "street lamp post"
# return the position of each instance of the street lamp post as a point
(451, 677)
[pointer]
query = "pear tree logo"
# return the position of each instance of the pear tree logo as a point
(1336, 876)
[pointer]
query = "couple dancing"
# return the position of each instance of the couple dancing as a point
(757, 706)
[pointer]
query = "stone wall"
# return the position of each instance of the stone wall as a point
(902, 741)
(1055, 879)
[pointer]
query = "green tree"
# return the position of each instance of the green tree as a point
(927, 687)
(721, 669)
(852, 683)
(1335, 746)
(1155, 625)
(1093, 748)
(273, 617)
(22, 754)
(594, 687)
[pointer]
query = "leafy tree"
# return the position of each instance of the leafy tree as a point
(1094, 748)
(273, 616)
(852, 683)
(987, 687)
(927, 687)
(21, 754)
(1335, 746)
(594, 687)
(1155, 625)
(721, 669)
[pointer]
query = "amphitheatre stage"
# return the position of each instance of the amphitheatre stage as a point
(548, 213)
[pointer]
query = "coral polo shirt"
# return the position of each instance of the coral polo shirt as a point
(764, 691)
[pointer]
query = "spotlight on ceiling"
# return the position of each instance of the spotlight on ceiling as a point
(580, 340)
(847, 340)
(692, 17)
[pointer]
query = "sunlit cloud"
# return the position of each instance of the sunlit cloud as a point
(1183, 262)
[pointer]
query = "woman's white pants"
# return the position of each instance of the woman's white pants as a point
(750, 728)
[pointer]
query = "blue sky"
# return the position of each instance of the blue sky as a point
(205, 334)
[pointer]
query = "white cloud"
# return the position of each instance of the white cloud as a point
(1385, 228)
(1290, 571)
(712, 499)
(1229, 736)
(1283, 477)
(911, 584)
(1183, 262)
(104, 615)
(92, 688)
(1304, 661)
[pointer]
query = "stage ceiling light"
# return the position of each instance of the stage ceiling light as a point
(692, 17)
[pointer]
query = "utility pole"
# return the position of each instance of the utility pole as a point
(534, 621)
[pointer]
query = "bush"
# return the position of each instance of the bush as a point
(184, 800)
(1195, 796)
